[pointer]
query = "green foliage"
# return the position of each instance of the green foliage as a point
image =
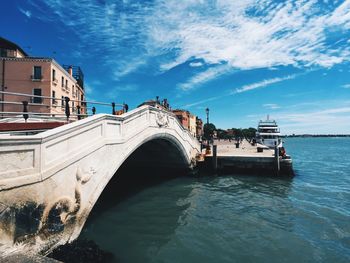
(249, 133)
(208, 130)
(236, 133)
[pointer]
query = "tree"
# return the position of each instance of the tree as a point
(208, 130)
(249, 133)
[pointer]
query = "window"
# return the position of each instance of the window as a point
(37, 72)
(54, 97)
(37, 92)
(62, 101)
(53, 74)
(66, 83)
(3, 52)
(72, 105)
(62, 82)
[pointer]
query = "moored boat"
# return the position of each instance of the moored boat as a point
(268, 135)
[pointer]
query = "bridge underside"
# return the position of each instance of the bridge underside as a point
(156, 154)
(153, 163)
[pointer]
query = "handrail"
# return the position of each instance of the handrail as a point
(56, 98)
(67, 108)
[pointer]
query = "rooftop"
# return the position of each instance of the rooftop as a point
(7, 44)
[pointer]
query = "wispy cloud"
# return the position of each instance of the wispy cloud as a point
(317, 121)
(186, 106)
(196, 64)
(262, 84)
(271, 106)
(242, 34)
(203, 77)
(346, 86)
(326, 116)
(27, 13)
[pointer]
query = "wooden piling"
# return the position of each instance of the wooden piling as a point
(215, 157)
(277, 160)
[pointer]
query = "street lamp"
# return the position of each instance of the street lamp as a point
(208, 147)
(207, 111)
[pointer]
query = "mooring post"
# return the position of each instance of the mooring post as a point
(215, 157)
(25, 109)
(277, 160)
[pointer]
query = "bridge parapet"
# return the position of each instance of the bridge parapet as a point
(31, 159)
(54, 178)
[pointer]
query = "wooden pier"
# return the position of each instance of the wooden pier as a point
(225, 157)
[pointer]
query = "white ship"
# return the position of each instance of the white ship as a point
(269, 134)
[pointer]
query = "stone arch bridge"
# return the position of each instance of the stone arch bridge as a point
(49, 182)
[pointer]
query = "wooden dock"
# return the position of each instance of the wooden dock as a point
(245, 158)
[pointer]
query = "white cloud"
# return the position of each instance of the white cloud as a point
(27, 13)
(88, 90)
(327, 116)
(262, 84)
(346, 86)
(242, 34)
(201, 102)
(128, 87)
(271, 106)
(196, 64)
(203, 77)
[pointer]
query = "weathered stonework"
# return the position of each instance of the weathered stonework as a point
(53, 179)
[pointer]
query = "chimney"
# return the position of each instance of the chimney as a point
(70, 70)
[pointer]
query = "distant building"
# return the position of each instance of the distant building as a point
(183, 117)
(192, 124)
(20, 73)
(199, 128)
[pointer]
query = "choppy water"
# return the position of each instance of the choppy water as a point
(238, 218)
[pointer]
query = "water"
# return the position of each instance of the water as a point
(238, 218)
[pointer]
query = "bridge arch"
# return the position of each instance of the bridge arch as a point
(159, 150)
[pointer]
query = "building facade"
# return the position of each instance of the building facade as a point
(192, 124)
(20, 73)
(199, 128)
(183, 117)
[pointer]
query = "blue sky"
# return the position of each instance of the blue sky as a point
(242, 59)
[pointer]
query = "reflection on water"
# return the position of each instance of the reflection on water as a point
(236, 218)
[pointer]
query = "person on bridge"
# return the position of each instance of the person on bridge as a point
(126, 107)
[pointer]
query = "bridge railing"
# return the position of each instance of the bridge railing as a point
(47, 107)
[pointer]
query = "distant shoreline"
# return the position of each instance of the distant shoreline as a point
(315, 135)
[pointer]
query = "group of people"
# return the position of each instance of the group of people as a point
(123, 110)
